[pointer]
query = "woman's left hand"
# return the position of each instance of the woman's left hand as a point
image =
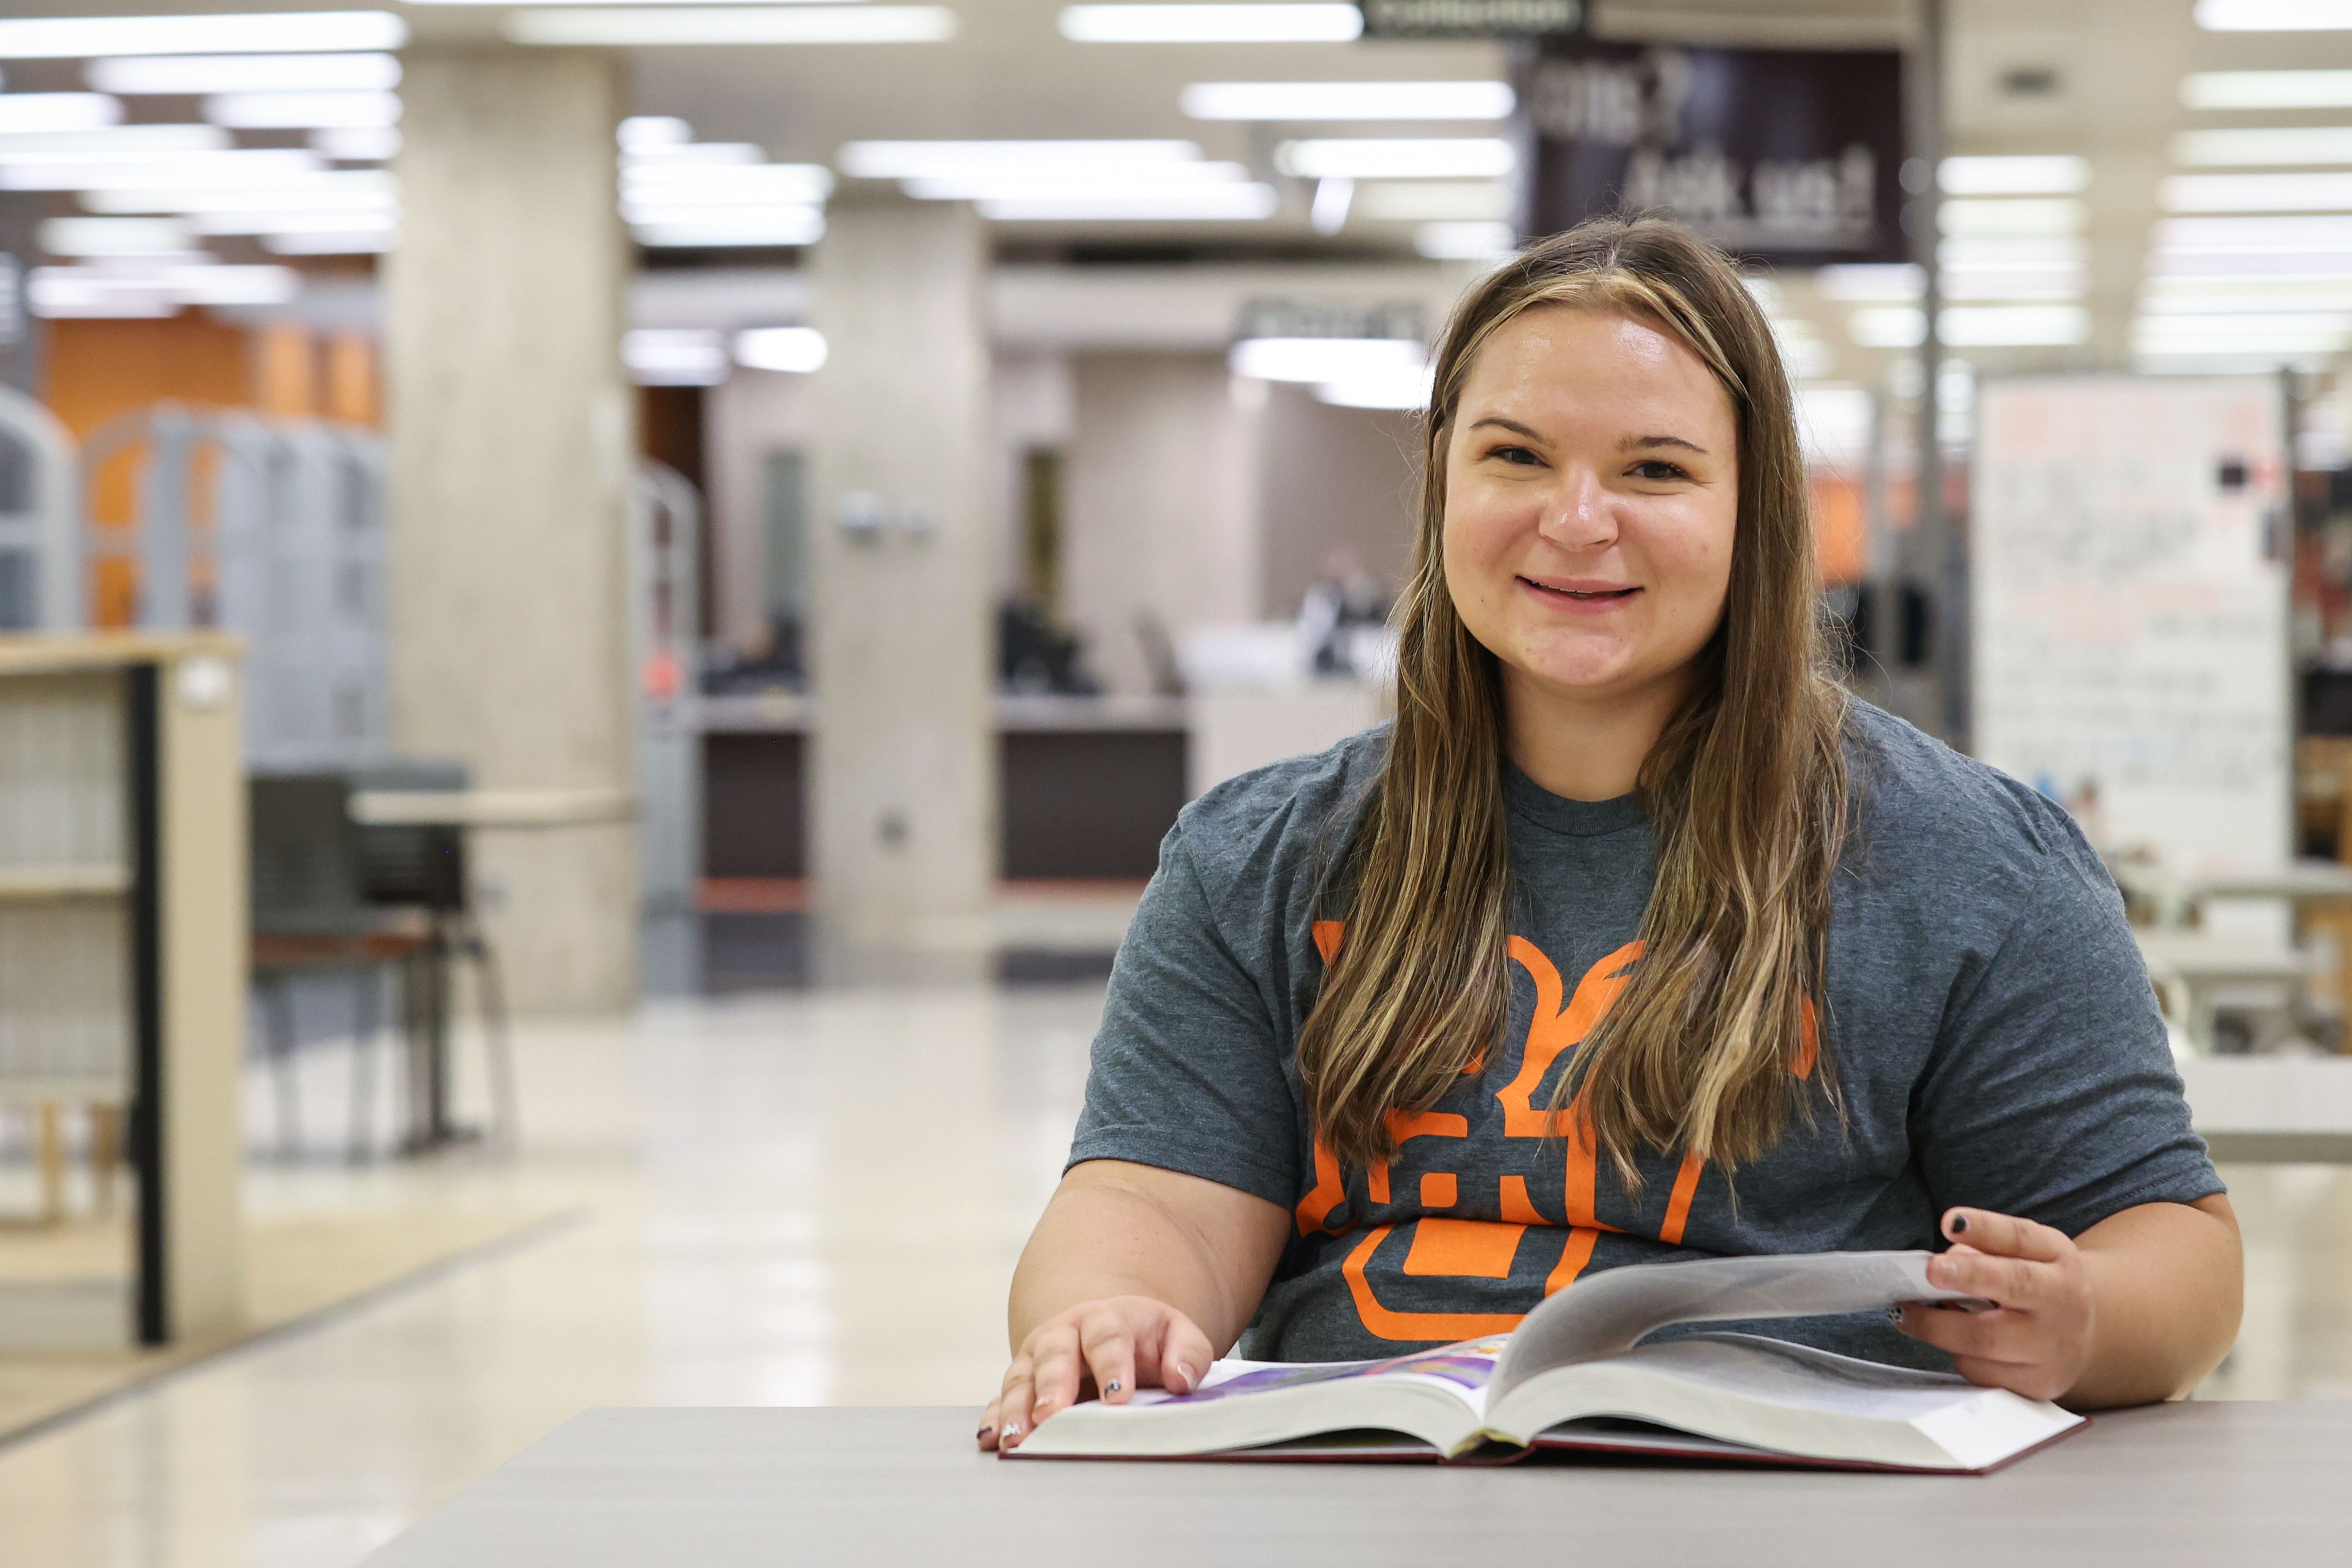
(2037, 1339)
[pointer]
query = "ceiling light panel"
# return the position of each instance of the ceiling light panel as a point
(640, 27)
(1395, 158)
(1212, 24)
(116, 236)
(734, 229)
(2273, 16)
(330, 243)
(2268, 90)
(199, 75)
(660, 356)
(108, 144)
(1209, 204)
(337, 190)
(2056, 175)
(792, 350)
(2256, 192)
(303, 111)
(356, 143)
(54, 113)
(1330, 101)
(936, 160)
(266, 221)
(1108, 181)
(2021, 216)
(2238, 234)
(2264, 145)
(276, 32)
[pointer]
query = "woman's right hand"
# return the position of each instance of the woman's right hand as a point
(1116, 1345)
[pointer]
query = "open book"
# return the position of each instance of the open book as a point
(1575, 1375)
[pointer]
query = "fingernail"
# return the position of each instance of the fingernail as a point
(1113, 1386)
(1184, 1375)
(1959, 1223)
(1895, 1315)
(1012, 1430)
(982, 1436)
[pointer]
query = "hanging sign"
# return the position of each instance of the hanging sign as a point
(1470, 18)
(1788, 155)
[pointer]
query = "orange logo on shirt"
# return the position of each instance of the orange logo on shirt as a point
(1445, 1247)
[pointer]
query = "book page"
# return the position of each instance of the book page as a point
(1463, 1370)
(1605, 1313)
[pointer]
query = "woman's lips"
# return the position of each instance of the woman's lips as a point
(1578, 596)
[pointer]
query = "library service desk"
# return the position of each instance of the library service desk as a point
(2218, 1483)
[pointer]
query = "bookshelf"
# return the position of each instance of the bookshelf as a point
(122, 935)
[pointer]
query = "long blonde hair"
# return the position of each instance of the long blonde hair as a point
(1712, 1045)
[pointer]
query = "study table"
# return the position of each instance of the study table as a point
(2212, 1483)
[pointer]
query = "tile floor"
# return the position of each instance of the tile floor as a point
(803, 1198)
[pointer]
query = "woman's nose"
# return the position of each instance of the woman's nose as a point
(1580, 516)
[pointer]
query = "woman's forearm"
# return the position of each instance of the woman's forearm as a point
(1113, 1230)
(2168, 1284)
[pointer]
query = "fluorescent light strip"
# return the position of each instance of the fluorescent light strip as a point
(307, 243)
(1348, 100)
(2268, 90)
(639, 27)
(110, 144)
(939, 159)
(2012, 217)
(1212, 24)
(1402, 391)
(659, 356)
(276, 32)
(354, 221)
(2256, 192)
(197, 75)
(1395, 158)
(116, 236)
(692, 154)
(303, 111)
(792, 350)
(2274, 16)
(2055, 176)
(1981, 326)
(1326, 359)
(2236, 324)
(794, 181)
(244, 166)
(720, 215)
(1235, 204)
(338, 190)
(1143, 182)
(2169, 302)
(2270, 145)
(56, 113)
(2264, 233)
(738, 232)
(356, 143)
(651, 132)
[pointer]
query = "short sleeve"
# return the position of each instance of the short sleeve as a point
(1187, 1072)
(2051, 1094)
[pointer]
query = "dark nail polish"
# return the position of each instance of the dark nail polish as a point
(1113, 1386)
(1895, 1315)
(1959, 1223)
(982, 1436)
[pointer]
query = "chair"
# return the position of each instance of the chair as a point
(311, 914)
(422, 866)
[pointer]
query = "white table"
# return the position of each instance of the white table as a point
(2213, 1484)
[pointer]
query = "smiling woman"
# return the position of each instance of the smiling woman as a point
(1632, 938)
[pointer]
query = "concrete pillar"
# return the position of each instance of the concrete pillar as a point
(903, 820)
(512, 461)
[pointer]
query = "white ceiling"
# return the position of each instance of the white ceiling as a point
(2116, 65)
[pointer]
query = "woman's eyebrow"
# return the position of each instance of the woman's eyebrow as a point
(1511, 425)
(1632, 443)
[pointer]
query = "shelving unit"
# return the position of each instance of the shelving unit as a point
(122, 869)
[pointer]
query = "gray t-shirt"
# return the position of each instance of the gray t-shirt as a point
(1995, 1039)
